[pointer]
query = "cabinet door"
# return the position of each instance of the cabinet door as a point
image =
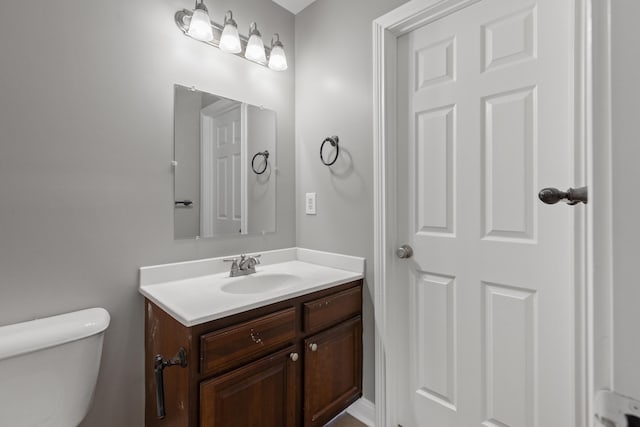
(332, 371)
(259, 394)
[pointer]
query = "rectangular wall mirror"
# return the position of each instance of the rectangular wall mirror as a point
(224, 166)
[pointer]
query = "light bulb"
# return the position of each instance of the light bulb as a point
(200, 25)
(255, 47)
(278, 59)
(230, 39)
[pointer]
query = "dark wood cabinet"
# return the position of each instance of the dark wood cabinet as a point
(331, 371)
(262, 393)
(293, 363)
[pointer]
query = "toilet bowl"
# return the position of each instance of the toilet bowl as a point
(49, 368)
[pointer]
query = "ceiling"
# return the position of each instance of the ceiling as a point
(294, 6)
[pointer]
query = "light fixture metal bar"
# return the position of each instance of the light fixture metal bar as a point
(183, 17)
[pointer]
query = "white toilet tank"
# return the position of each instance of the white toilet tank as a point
(49, 368)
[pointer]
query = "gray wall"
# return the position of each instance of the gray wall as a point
(86, 140)
(626, 204)
(261, 189)
(334, 96)
(187, 153)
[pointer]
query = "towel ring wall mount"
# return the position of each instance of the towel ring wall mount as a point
(333, 141)
(264, 154)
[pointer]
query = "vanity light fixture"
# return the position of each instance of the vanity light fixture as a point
(197, 25)
(255, 47)
(200, 25)
(230, 39)
(278, 59)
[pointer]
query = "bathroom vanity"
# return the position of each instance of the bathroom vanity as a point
(281, 348)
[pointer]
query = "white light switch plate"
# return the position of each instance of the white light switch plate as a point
(310, 203)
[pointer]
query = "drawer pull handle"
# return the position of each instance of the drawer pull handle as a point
(293, 357)
(255, 337)
(313, 347)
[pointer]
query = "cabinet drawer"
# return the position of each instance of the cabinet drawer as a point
(331, 309)
(231, 347)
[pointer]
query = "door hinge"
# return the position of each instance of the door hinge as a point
(615, 410)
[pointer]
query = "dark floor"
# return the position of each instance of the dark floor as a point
(345, 420)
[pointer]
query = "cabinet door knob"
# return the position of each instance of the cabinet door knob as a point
(293, 357)
(313, 347)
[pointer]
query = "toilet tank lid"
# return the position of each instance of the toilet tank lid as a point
(39, 334)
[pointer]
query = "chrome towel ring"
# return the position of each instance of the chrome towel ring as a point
(264, 154)
(333, 140)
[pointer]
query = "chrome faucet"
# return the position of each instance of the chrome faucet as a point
(243, 265)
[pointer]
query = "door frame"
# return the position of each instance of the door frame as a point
(386, 31)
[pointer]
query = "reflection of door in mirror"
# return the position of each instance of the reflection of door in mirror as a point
(215, 140)
(222, 186)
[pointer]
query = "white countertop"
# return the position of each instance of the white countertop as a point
(192, 296)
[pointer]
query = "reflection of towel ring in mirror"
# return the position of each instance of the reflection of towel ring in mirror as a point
(333, 140)
(264, 154)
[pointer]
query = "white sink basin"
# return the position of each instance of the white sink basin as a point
(195, 292)
(259, 283)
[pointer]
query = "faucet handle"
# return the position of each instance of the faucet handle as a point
(234, 265)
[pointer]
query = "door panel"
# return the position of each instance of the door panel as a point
(436, 173)
(509, 340)
(221, 186)
(508, 145)
(485, 108)
(436, 339)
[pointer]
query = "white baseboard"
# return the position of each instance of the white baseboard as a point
(364, 411)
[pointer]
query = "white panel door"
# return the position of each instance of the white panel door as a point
(485, 116)
(221, 151)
